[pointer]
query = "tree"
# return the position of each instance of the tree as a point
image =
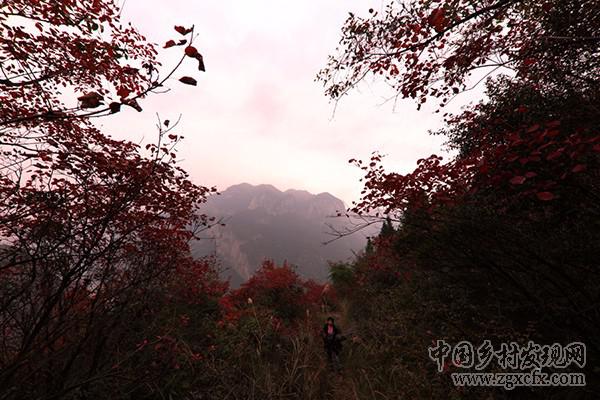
(519, 142)
(281, 291)
(89, 225)
(429, 49)
(342, 276)
(527, 155)
(387, 229)
(369, 247)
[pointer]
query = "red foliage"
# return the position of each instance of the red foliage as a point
(537, 161)
(383, 264)
(280, 290)
(195, 280)
(428, 49)
(520, 151)
(318, 293)
(89, 225)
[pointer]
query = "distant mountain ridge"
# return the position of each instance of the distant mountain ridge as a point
(275, 202)
(264, 222)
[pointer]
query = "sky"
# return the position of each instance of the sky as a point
(257, 114)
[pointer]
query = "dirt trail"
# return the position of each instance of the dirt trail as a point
(340, 386)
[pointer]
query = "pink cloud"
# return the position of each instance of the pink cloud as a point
(257, 115)
(264, 104)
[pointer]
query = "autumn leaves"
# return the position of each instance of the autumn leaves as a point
(190, 51)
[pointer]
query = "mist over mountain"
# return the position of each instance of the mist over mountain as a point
(264, 222)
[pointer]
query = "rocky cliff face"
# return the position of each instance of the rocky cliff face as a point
(264, 222)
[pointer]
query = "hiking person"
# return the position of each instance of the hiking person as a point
(332, 339)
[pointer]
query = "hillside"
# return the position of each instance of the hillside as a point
(264, 222)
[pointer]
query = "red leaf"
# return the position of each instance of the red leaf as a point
(552, 133)
(518, 180)
(170, 43)
(133, 104)
(115, 107)
(554, 154)
(188, 80)
(545, 196)
(130, 70)
(437, 19)
(579, 168)
(191, 51)
(90, 100)
(182, 30)
(123, 92)
(530, 174)
(200, 59)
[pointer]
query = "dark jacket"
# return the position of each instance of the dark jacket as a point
(333, 341)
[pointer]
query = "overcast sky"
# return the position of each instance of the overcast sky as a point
(257, 115)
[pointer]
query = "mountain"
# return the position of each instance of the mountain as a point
(264, 222)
